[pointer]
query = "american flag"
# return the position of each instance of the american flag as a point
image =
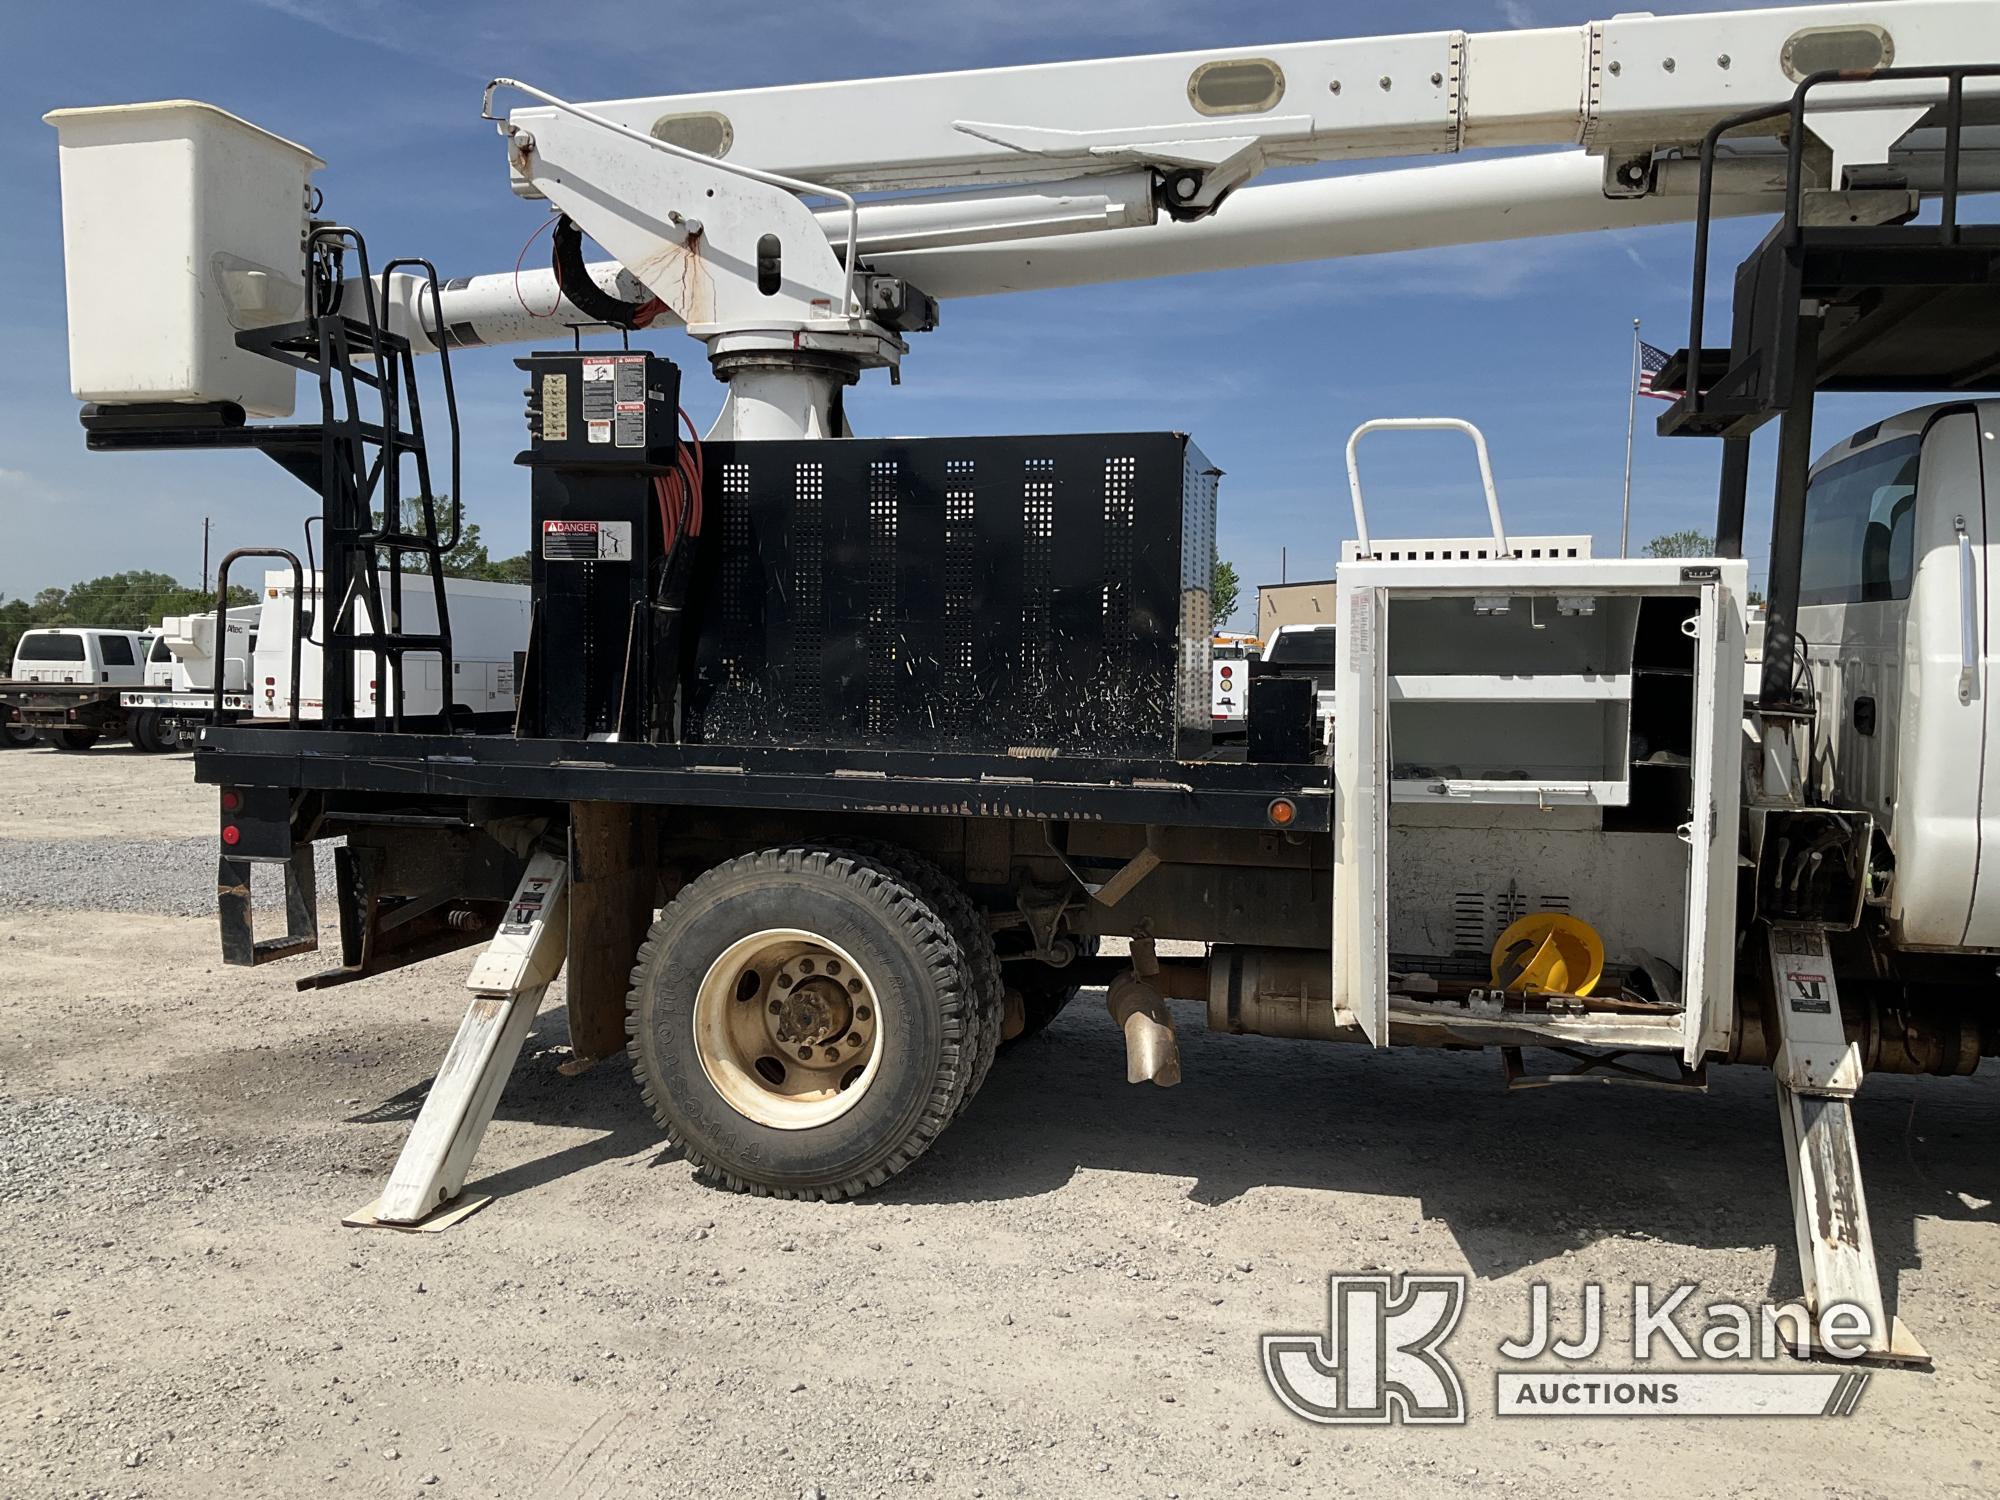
(1651, 362)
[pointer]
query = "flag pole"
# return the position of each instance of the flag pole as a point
(1631, 420)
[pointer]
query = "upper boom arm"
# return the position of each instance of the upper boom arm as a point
(1618, 87)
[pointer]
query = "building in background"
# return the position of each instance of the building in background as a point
(1305, 603)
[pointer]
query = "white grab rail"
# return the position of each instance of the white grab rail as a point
(1406, 424)
(1968, 613)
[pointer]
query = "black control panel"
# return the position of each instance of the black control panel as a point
(601, 410)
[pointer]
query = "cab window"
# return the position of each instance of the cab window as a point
(1860, 526)
(60, 646)
(117, 650)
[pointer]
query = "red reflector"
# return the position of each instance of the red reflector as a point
(270, 682)
(231, 801)
(1225, 674)
(231, 834)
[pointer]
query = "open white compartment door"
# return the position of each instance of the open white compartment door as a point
(1710, 981)
(1360, 813)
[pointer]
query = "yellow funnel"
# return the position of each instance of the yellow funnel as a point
(1548, 953)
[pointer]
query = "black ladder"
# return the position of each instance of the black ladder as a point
(371, 426)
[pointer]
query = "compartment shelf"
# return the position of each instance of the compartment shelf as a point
(1522, 687)
(1530, 790)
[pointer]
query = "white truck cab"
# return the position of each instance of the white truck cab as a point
(77, 654)
(1895, 625)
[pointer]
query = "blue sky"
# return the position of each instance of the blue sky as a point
(1269, 369)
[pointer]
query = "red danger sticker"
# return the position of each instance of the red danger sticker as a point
(587, 541)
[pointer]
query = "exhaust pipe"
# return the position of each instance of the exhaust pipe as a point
(1152, 1051)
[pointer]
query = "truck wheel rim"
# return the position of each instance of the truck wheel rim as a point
(788, 1028)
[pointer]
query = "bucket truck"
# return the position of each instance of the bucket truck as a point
(837, 756)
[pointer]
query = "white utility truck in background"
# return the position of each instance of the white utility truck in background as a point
(823, 739)
(67, 682)
(179, 690)
(489, 623)
(1229, 683)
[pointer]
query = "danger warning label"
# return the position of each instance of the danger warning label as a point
(587, 541)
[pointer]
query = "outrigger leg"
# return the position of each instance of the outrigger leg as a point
(508, 983)
(1818, 1071)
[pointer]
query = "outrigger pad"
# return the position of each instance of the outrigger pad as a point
(454, 1212)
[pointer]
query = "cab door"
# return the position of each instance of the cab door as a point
(1976, 457)
(1892, 623)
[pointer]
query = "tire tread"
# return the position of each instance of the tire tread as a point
(900, 904)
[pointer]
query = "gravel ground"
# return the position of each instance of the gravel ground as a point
(172, 877)
(1063, 1298)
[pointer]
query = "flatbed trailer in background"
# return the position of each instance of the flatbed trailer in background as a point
(67, 681)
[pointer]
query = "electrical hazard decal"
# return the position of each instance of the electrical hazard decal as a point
(526, 909)
(1807, 993)
(587, 541)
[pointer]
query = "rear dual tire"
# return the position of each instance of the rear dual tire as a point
(146, 730)
(804, 1022)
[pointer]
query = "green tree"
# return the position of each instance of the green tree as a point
(470, 558)
(511, 569)
(135, 600)
(1689, 543)
(1224, 591)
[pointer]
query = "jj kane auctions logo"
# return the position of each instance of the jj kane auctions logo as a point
(1381, 1359)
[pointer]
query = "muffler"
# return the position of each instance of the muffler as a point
(1152, 1051)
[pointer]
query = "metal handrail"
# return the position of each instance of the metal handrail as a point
(1408, 424)
(1794, 110)
(754, 174)
(222, 626)
(430, 283)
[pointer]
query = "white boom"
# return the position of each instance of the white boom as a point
(1137, 166)
(1025, 177)
(1622, 87)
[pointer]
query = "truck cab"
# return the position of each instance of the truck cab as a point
(75, 654)
(1895, 630)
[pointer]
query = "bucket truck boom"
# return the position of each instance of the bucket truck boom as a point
(1009, 179)
(1122, 167)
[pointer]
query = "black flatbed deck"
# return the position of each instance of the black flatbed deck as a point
(443, 767)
